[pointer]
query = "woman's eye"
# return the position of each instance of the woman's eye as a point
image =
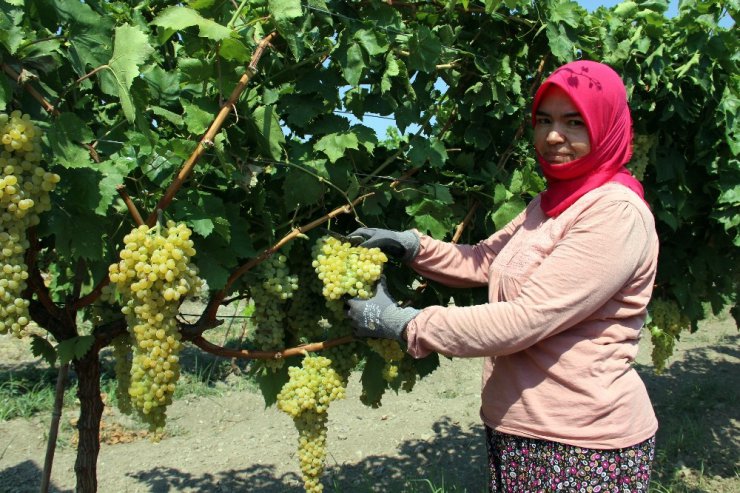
(575, 123)
(542, 120)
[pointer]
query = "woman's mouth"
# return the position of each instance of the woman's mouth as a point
(558, 157)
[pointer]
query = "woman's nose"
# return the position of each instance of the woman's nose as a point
(555, 137)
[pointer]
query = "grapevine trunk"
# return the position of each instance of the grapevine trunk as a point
(88, 426)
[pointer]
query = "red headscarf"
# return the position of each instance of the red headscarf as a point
(599, 95)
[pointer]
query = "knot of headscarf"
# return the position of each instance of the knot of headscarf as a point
(599, 94)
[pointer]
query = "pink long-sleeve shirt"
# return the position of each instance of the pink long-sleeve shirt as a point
(567, 300)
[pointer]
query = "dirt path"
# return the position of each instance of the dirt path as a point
(230, 443)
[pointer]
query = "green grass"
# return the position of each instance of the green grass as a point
(29, 391)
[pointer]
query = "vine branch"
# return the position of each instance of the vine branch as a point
(207, 140)
(30, 89)
(209, 347)
(208, 318)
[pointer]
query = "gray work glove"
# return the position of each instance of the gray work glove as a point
(403, 245)
(379, 316)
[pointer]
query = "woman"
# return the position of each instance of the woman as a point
(569, 281)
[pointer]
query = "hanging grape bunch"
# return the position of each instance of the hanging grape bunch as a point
(641, 146)
(666, 324)
(24, 194)
(153, 276)
(270, 290)
(306, 398)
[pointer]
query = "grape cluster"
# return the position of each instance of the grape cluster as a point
(271, 289)
(665, 326)
(24, 194)
(306, 398)
(345, 269)
(153, 276)
(641, 145)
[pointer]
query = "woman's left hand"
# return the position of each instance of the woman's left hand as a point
(379, 316)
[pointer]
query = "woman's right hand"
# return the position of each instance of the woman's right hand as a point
(403, 245)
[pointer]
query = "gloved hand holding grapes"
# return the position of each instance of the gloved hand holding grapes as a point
(404, 245)
(379, 316)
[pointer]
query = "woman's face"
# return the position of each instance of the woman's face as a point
(560, 133)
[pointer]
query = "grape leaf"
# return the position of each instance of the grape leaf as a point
(74, 348)
(271, 382)
(336, 144)
(67, 139)
(373, 385)
(507, 211)
(130, 50)
(302, 189)
(425, 49)
(271, 133)
(176, 18)
(41, 347)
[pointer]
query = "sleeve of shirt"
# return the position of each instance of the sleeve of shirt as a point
(462, 266)
(598, 255)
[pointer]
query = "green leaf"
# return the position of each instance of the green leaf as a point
(284, 9)
(11, 32)
(424, 150)
(41, 347)
(626, 10)
(373, 42)
(508, 211)
(235, 50)
(392, 69)
(373, 385)
(430, 225)
(336, 144)
(425, 50)
(352, 64)
(6, 93)
(74, 348)
(67, 138)
(197, 119)
(300, 189)
(568, 12)
(271, 382)
(113, 173)
(272, 138)
(177, 18)
(130, 50)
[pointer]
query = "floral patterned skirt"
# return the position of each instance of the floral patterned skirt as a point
(527, 465)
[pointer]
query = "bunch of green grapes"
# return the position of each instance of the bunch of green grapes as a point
(641, 145)
(345, 269)
(24, 194)
(153, 276)
(270, 291)
(665, 326)
(306, 398)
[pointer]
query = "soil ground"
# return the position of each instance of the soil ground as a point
(231, 443)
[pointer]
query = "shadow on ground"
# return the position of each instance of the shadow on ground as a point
(696, 404)
(453, 456)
